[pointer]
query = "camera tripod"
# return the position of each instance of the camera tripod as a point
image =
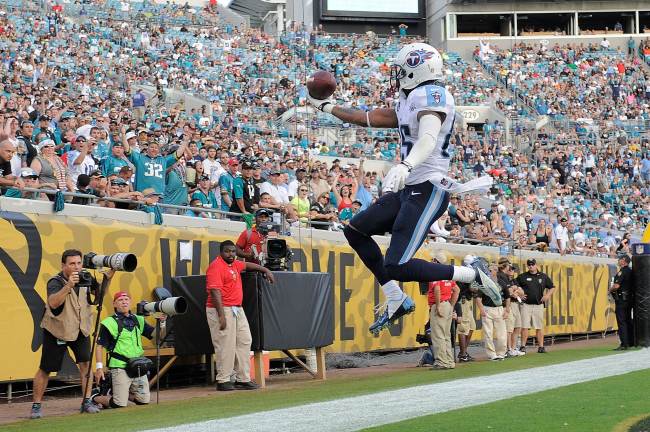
(99, 298)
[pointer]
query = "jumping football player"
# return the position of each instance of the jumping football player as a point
(418, 186)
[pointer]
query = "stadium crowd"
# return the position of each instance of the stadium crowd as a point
(68, 106)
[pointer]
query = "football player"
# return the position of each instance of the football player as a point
(418, 188)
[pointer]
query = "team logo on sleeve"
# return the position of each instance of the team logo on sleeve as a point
(416, 58)
(435, 96)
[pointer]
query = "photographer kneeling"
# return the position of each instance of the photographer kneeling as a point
(121, 336)
(67, 322)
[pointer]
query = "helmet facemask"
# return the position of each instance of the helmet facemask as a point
(397, 72)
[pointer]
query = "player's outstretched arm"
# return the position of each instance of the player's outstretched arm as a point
(378, 118)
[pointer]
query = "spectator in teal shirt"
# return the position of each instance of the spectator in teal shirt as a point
(150, 167)
(204, 194)
(113, 163)
(227, 183)
(349, 212)
(175, 187)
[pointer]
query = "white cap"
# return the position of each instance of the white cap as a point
(28, 172)
(45, 143)
(130, 135)
(468, 259)
(440, 257)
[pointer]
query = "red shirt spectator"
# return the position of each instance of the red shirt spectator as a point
(227, 279)
(445, 291)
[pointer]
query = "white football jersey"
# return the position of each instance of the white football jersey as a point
(428, 97)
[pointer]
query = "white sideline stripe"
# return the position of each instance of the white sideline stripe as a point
(359, 412)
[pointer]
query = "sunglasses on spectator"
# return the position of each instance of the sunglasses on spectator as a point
(304, 190)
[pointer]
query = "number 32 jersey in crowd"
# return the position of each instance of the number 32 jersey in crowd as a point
(428, 97)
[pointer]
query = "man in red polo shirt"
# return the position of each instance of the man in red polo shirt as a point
(231, 336)
(442, 299)
(250, 244)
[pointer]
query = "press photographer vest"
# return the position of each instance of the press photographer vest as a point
(76, 316)
(128, 343)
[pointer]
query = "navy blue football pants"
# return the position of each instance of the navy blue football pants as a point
(408, 215)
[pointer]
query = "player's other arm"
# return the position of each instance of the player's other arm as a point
(379, 118)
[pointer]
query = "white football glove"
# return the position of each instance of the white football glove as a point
(325, 105)
(396, 177)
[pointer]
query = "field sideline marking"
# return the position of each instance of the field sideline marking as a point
(360, 412)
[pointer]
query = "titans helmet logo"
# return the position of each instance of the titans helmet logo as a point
(416, 58)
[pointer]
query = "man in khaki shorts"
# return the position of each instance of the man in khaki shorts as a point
(505, 279)
(538, 288)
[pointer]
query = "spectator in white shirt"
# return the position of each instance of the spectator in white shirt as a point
(80, 160)
(279, 195)
(560, 237)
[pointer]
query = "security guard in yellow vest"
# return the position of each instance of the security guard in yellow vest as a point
(67, 322)
(121, 335)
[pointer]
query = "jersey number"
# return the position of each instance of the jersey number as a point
(444, 151)
(153, 170)
(404, 131)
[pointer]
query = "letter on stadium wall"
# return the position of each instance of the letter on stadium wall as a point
(30, 253)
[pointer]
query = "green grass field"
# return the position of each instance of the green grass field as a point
(590, 407)
(238, 403)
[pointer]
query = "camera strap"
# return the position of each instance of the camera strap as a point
(120, 327)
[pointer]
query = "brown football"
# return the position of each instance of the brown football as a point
(321, 85)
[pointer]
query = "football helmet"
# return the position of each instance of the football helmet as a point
(415, 63)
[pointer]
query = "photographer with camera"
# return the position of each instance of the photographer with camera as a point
(67, 322)
(121, 336)
(250, 244)
(231, 336)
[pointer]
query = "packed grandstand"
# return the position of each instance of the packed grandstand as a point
(70, 102)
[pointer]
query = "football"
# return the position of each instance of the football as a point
(321, 85)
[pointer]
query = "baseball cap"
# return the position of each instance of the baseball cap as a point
(531, 261)
(96, 173)
(247, 165)
(204, 177)
(264, 211)
(28, 172)
(275, 171)
(130, 135)
(233, 162)
(44, 118)
(118, 182)
(503, 261)
(150, 192)
(120, 294)
(563, 219)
